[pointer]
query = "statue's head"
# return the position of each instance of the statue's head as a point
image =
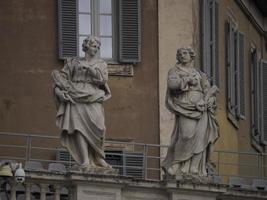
(185, 55)
(91, 44)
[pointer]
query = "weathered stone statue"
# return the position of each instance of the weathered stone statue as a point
(191, 98)
(80, 88)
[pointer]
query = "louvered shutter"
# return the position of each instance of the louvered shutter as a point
(64, 155)
(231, 68)
(134, 164)
(255, 98)
(207, 35)
(241, 68)
(216, 44)
(67, 24)
(130, 31)
(210, 40)
(264, 98)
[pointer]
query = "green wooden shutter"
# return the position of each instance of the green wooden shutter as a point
(130, 31)
(241, 67)
(264, 99)
(67, 28)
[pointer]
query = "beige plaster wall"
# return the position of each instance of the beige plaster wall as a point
(178, 26)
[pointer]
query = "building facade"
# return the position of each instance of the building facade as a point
(139, 42)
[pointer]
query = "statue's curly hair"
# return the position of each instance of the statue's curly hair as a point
(189, 49)
(90, 40)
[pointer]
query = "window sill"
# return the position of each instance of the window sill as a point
(256, 145)
(233, 120)
(120, 70)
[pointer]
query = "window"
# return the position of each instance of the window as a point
(255, 100)
(210, 40)
(116, 22)
(102, 13)
(263, 65)
(258, 99)
(235, 72)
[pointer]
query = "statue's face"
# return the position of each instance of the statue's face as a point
(90, 47)
(183, 56)
(93, 48)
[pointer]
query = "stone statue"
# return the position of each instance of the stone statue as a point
(80, 88)
(191, 98)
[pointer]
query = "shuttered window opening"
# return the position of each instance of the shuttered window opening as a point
(241, 92)
(130, 31)
(67, 12)
(255, 100)
(211, 40)
(134, 164)
(264, 99)
(64, 156)
(235, 71)
(115, 22)
(232, 68)
(128, 163)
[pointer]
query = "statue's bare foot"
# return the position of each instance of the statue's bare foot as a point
(102, 163)
(172, 170)
(86, 166)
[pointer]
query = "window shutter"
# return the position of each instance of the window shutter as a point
(231, 67)
(241, 67)
(264, 98)
(255, 94)
(130, 31)
(134, 164)
(216, 44)
(67, 23)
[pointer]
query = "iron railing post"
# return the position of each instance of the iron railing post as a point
(218, 163)
(145, 161)
(28, 148)
(259, 165)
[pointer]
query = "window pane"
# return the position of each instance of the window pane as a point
(81, 53)
(84, 6)
(106, 48)
(105, 6)
(105, 25)
(84, 24)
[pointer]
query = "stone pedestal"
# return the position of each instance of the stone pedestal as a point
(188, 196)
(97, 192)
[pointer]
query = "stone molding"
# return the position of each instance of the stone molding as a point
(112, 187)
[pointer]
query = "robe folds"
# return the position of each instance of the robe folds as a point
(195, 130)
(83, 111)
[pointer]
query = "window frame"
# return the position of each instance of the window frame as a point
(256, 82)
(95, 27)
(235, 72)
(127, 20)
(232, 70)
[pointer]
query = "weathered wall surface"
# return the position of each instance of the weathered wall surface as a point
(178, 26)
(233, 138)
(29, 52)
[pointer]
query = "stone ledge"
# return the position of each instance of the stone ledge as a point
(141, 189)
(120, 70)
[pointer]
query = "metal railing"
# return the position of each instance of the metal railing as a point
(44, 148)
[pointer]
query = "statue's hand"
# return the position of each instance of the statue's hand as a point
(60, 94)
(193, 80)
(201, 106)
(211, 104)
